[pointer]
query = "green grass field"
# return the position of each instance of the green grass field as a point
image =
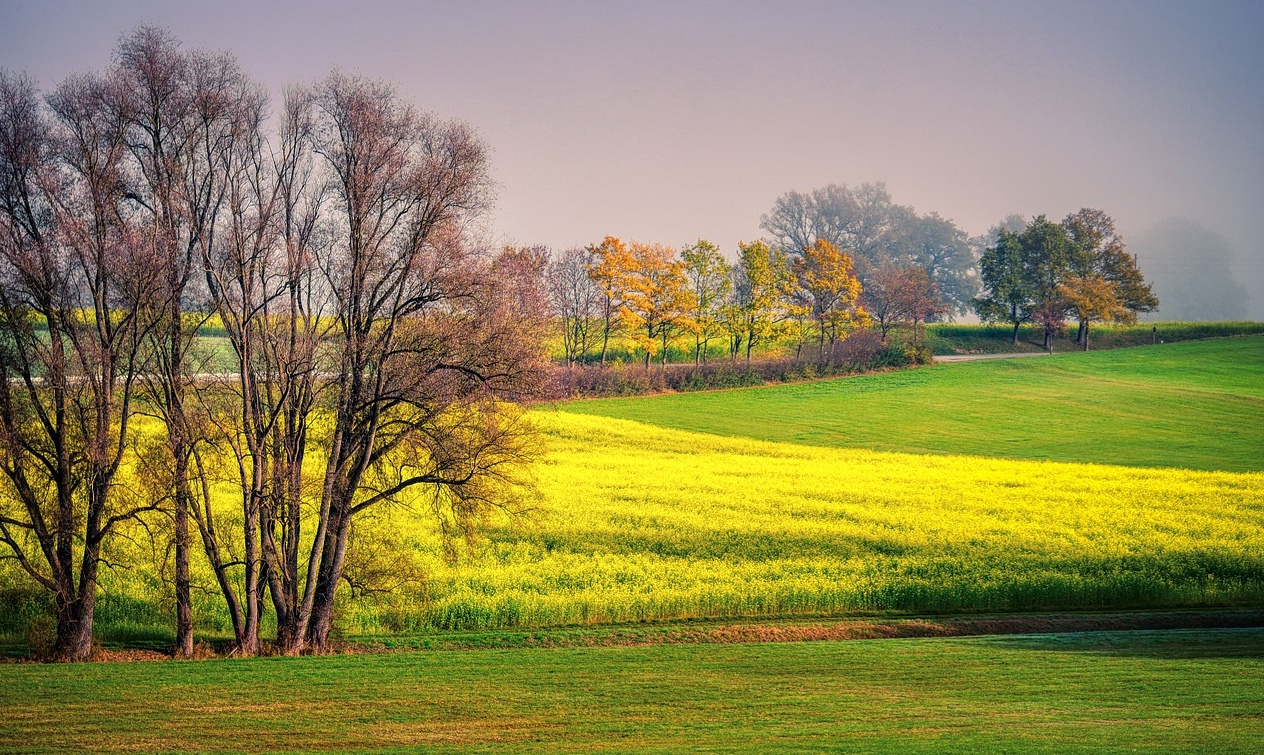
(960, 338)
(1195, 405)
(1172, 692)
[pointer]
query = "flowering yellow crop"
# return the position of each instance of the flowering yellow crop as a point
(638, 522)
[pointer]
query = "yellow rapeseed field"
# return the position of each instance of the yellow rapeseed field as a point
(636, 522)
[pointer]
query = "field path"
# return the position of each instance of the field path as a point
(720, 631)
(974, 357)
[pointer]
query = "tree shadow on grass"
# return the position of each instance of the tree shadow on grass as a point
(1240, 642)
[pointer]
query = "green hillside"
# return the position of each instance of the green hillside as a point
(1196, 405)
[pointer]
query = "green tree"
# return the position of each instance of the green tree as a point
(1047, 252)
(764, 276)
(1006, 295)
(709, 282)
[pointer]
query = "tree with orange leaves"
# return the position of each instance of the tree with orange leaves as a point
(609, 270)
(656, 297)
(828, 289)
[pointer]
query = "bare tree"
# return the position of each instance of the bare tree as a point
(71, 257)
(428, 336)
(898, 295)
(185, 112)
(263, 284)
(886, 296)
(374, 344)
(575, 299)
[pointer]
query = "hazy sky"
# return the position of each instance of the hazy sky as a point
(672, 121)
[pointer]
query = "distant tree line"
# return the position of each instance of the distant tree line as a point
(841, 259)
(649, 294)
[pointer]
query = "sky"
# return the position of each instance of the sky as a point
(668, 122)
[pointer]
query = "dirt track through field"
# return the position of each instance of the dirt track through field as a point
(975, 357)
(824, 630)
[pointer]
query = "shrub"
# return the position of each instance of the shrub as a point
(863, 351)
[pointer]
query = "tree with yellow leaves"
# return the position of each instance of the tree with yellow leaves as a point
(709, 285)
(763, 283)
(656, 297)
(608, 268)
(828, 290)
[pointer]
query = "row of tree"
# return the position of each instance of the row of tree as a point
(376, 351)
(1048, 273)
(650, 294)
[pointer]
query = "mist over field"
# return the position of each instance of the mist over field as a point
(668, 122)
(1193, 271)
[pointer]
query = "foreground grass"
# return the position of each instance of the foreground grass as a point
(1196, 405)
(1181, 691)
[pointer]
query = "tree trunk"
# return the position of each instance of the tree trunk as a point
(76, 610)
(605, 341)
(184, 604)
(1085, 327)
(74, 627)
(322, 618)
(249, 643)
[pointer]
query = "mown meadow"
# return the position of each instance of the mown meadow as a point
(1195, 405)
(1110, 692)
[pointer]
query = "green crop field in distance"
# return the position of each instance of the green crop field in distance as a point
(1172, 692)
(1195, 405)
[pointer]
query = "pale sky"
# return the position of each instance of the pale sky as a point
(672, 121)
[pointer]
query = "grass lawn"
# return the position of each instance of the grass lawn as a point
(1196, 405)
(1173, 691)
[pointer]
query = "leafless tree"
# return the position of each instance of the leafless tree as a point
(575, 299)
(899, 295)
(180, 110)
(71, 258)
(262, 282)
(374, 344)
(430, 337)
